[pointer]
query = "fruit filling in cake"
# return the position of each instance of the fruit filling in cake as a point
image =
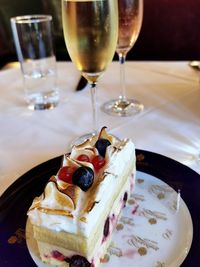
(74, 218)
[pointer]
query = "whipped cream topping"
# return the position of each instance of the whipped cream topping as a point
(65, 207)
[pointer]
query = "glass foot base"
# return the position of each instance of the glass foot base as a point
(79, 140)
(42, 106)
(41, 101)
(123, 108)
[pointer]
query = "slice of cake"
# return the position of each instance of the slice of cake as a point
(74, 218)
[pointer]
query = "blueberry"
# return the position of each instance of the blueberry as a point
(125, 197)
(83, 177)
(101, 145)
(106, 227)
(79, 261)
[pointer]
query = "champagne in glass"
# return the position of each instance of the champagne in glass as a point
(91, 32)
(130, 21)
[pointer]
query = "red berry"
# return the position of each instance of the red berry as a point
(83, 157)
(98, 162)
(57, 255)
(65, 174)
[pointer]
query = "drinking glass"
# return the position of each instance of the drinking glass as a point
(33, 38)
(90, 33)
(130, 21)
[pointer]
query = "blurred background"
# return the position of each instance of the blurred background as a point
(170, 30)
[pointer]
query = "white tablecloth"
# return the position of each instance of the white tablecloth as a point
(169, 124)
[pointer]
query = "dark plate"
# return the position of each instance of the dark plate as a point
(16, 200)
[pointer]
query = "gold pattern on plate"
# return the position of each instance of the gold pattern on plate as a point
(131, 201)
(160, 264)
(142, 251)
(140, 157)
(160, 191)
(161, 196)
(138, 242)
(113, 250)
(152, 221)
(18, 236)
(153, 214)
(12, 240)
(119, 227)
(140, 181)
(127, 220)
(168, 234)
(141, 160)
(138, 197)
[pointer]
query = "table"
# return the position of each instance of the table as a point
(169, 124)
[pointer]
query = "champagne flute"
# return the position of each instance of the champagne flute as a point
(130, 21)
(90, 33)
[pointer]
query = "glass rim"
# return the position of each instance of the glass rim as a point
(33, 18)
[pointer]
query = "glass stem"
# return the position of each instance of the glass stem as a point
(93, 87)
(122, 59)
